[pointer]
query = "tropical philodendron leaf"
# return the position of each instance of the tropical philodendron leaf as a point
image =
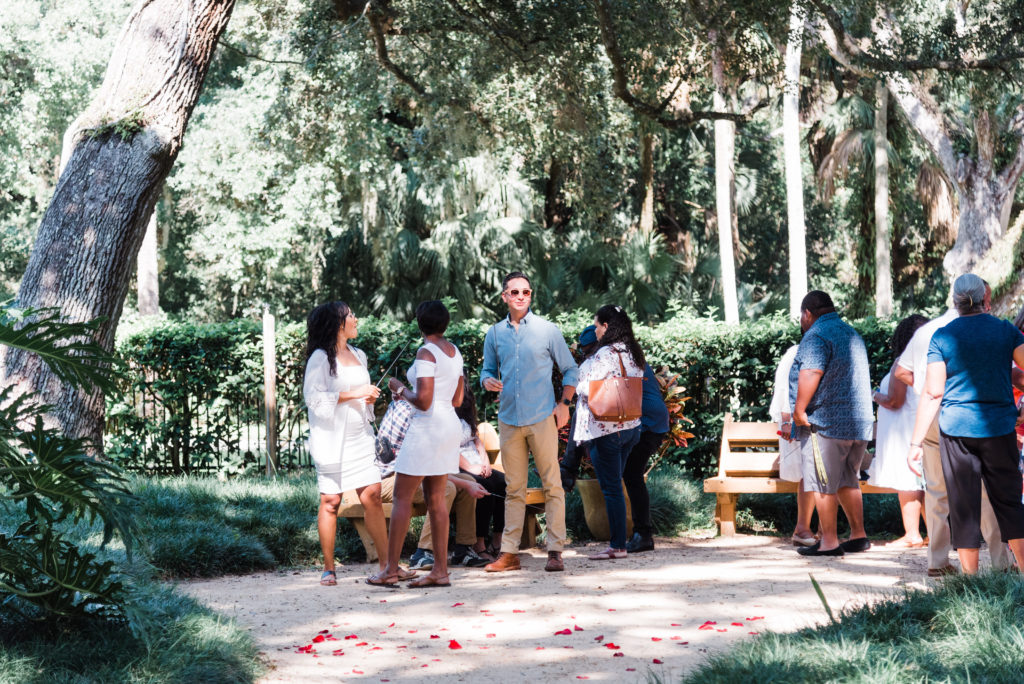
(40, 566)
(67, 348)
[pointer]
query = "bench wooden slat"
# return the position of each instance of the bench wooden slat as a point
(744, 464)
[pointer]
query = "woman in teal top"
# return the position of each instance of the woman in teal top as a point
(968, 377)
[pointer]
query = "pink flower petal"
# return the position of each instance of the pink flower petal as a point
(582, 677)
(318, 639)
(355, 671)
(618, 654)
(391, 625)
(759, 617)
(434, 636)
(324, 631)
(491, 636)
(599, 638)
(655, 638)
(738, 624)
(612, 646)
(563, 632)
(577, 628)
(351, 636)
(456, 605)
(362, 643)
(518, 611)
(656, 661)
(454, 645)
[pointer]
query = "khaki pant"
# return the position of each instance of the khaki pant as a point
(454, 498)
(936, 511)
(517, 442)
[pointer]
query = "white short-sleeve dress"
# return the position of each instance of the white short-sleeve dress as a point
(431, 445)
(341, 440)
(892, 444)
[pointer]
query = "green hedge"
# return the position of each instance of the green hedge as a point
(723, 368)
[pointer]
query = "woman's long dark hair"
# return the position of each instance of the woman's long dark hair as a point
(467, 411)
(620, 330)
(904, 331)
(322, 328)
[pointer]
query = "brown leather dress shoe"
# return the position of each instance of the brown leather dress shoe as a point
(554, 563)
(506, 561)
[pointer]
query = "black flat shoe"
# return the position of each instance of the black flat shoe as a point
(637, 544)
(815, 551)
(855, 545)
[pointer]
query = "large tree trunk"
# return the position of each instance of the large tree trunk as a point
(984, 192)
(725, 190)
(794, 170)
(883, 237)
(116, 158)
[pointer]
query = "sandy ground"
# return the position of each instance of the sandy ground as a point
(651, 607)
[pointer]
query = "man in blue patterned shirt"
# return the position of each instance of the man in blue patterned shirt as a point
(830, 384)
(519, 355)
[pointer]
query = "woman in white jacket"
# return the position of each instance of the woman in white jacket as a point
(339, 396)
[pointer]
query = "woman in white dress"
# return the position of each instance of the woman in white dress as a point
(896, 411)
(430, 451)
(339, 398)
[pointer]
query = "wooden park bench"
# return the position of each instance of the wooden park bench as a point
(749, 464)
(352, 510)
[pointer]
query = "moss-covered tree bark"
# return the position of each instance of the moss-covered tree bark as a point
(116, 157)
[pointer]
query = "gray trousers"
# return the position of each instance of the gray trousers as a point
(936, 512)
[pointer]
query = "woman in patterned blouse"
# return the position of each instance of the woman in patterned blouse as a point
(611, 441)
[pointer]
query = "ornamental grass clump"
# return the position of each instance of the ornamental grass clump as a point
(966, 629)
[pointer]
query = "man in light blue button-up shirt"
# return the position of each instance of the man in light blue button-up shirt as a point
(519, 355)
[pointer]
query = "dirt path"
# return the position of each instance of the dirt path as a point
(651, 606)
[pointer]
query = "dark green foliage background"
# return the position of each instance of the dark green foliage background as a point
(722, 367)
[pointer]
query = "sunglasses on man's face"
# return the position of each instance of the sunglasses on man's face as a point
(515, 293)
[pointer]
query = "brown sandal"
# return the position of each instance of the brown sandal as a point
(405, 574)
(428, 581)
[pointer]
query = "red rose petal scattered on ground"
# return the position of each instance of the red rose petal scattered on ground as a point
(362, 643)
(383, 631)
(539, 648)
(482, 648)
(324, 631)
(435, 660)
(376, 648)
(760, 617)
(403, 646)
(454, 645)
(491, 636)
(599, 638)
(675, 624)
(434, 636)
(655, 638)
(456, 605)
(618, 654)
(582, 677)
(563, 632)
(391, 625)
(656, 661)
(754, 633)
(355, 671)
(424, 665)
(721, 630)
(675, 638)
(611, 610)
(738, 624)
(331, 638)
(682, 643)
(518, 611)
(318, 639)
(612, 646)
(351, 636)
(630, 669)
(412, 631)
(707, 625)
(577, 628)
